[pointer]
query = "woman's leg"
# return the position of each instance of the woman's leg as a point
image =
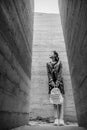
(56, 114)
(55, 111)
(61, 114)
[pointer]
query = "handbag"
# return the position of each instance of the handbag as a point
(56, 96)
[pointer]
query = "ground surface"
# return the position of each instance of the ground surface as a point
(38, 125)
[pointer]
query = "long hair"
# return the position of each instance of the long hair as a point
(56, 56)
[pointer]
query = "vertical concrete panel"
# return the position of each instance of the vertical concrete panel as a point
(16, 34)
(48, 36)
(74, 21)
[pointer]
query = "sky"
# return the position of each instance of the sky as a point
(46, 6)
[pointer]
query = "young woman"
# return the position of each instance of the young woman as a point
(54, 69)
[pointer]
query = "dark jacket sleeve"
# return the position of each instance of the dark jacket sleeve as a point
(49, 72)
(59, 81)
(50, 78)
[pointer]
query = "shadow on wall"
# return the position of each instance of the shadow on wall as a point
(74, 22)
(16, 32)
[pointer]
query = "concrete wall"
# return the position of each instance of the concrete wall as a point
(16, 28)
(48, 36)
(74, 21)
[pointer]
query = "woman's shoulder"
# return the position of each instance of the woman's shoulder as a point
(58, 63)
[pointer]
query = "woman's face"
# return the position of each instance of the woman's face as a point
(52, 56)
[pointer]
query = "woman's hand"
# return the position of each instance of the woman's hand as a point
(52, 84)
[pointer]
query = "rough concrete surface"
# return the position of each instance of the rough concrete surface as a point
(50, 126)
(48, 36)
(74, 23)
(16, 34)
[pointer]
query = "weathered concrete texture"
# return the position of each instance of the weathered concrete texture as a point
(49, 127)
(16, 31)
(74, 21)
(48, 36)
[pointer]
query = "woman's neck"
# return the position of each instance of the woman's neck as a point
(54, 62)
